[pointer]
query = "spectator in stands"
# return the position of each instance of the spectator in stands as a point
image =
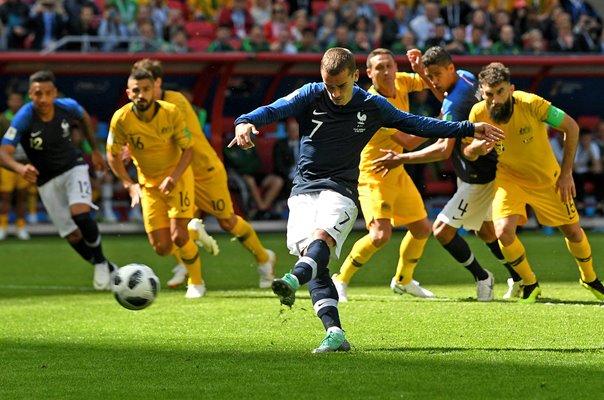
(564, 40)
(395, 28)
(333, 7)
(588, 169)
(49, 23)
(343, 39)
(457, 44)
(481, 21)
(506, 45)
(455, 13)
(160, 15)
(524, 18)
(263, 187)
(84, 26)
(424, 25)
(279, 21)
(237, 17)
(533, 42)
(179, 41)
(476, 45)
(327, 29)
(148, 41)
(407, 42)
(222, 41)
(255, 42)
(299, 21)
(308, 43)
(113, 31)
(176, 21)
(587, 34)
(127, 9)
(501, 18)
(442, 35)
(362, 42)
(355, 9)
(297, 5)
(283, 43)
(261, 11)
(578, 8)
(14, 15)
(74, 8)
(373, 32)
(204, 10)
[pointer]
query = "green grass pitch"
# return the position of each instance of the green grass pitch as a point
(59, 339)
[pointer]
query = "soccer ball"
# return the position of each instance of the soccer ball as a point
(135, 286)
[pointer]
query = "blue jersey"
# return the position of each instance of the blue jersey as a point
(47, 144)
(456, 107)
(332, 137)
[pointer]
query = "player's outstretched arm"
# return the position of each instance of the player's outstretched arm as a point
(118, 168)
(242, 137)
(437, 151)
(476, 148)
(27, 171)
(487, 132)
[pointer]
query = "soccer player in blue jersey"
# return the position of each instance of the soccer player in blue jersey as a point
(470, 206)
(57, 166)
(337, 119)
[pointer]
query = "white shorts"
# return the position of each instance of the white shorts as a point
(63, 191)
(326, 210)
(470, 206)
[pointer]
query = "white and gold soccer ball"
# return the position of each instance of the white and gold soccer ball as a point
(135, 286)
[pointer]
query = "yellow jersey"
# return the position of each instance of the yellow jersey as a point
(404, 83)
(525, 154)
(205, 159)
(156, 146)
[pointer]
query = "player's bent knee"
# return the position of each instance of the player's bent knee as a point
(162, 249)
(228, 224)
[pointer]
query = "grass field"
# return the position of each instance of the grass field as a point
(61, 340)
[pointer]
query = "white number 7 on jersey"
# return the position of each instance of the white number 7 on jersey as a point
(319, 123)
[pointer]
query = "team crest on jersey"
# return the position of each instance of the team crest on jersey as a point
(499, 148)
(65, 127)
(360, 128)
(11, 133)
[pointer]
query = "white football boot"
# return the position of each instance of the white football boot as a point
(484, 288)
(266, 271)
(198, 233)
(179, 277)
(195, 291)
(514, 289)
(341, 287)
(413, 288)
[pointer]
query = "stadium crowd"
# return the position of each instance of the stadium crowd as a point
(509, 27)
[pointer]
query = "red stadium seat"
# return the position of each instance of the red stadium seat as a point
(383, 10)
(200, 29)
(317, 7)
(588, 122)
(199, 44)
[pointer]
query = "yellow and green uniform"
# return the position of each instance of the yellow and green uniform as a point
(527, 169)
(156, 148)
(392, 197)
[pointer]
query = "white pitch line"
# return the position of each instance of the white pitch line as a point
(43, 287)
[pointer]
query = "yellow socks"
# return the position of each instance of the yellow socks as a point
(249, 239)
(516, 256)
(361, 252)
(189, 254)
(411, 249)
(582, 253)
